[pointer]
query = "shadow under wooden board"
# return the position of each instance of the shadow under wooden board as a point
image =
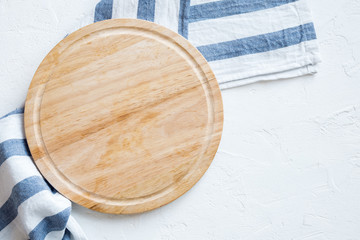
(123, 116)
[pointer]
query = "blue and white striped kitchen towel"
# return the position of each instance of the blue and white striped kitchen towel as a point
(30, 208)
(244, 41)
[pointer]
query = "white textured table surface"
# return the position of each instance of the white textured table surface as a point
(288, 166)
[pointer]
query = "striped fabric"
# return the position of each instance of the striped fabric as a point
(243, 40)
(30, 208)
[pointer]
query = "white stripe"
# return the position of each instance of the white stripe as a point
(125, 9)
(32, 211)
(75, 229)
(54, 235)
(308, 69)
(167, 13)
(197, 2)
(12, 171)
(284, 59)
(12, 232)
(12, 127)
(249, 24)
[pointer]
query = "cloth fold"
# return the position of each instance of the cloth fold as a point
(244, 41)
(30, 207)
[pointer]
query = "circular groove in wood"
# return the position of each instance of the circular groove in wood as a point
(110, 112)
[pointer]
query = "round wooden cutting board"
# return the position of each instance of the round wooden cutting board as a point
(123, 116)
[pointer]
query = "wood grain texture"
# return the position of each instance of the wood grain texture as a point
(123, 116)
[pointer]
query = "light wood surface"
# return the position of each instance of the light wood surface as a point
(123, 116)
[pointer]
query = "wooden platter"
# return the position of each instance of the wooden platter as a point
(123, 116)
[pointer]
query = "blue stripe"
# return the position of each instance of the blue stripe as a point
(146, 10)
(52, 189)
(231, 7)
(16, 111)
(20, 193)
(260, 43)
(103, 10)
(67, 235)
(13, 147)
(184, 18)
(49, 224)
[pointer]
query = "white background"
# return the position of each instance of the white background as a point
(288, 166)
